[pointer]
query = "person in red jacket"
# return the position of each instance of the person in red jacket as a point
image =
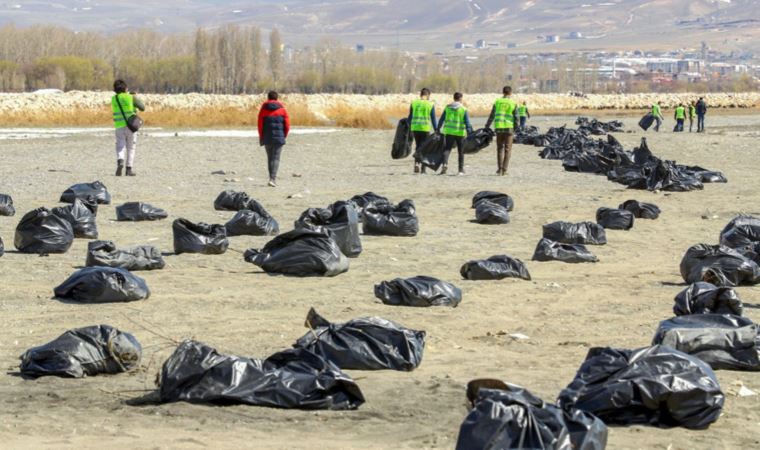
(274, 126)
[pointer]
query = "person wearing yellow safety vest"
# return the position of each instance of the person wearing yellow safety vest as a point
(421, 122)
(524, 114)
(680, 116)
(504, 116)
(455, 123)
(692, 114)
(123, 105)
(657, 114)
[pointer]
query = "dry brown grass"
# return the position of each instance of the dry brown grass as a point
(347, 116)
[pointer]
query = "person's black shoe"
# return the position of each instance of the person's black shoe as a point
(119, 167)
(130, 173)
(444, 170)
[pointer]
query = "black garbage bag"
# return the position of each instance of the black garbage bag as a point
(105, 254)
(389, 220)
(430, 152)
(706, 298)
(402, 142)
(614, 219)
(233, 201)
(584, 162)
(83, 352)
(666, 176)
(495, 197)
(478, 140)
(704, 175)
(656, 385)
(489, 213)
(300, 253)
(495, 268)
(251, 223)
(41, 231)
(366, 343)
(646, 121)
(6, 206)
(742, 231)
(82, 220)
(721, 340)
(548, 250)
(102, 285)
(341, 219)
(93, 191)
(139, 211)
(418, 291)
(719, 265)
(199, 237)
(512, 417)
(2, 247)
(293, 378)
(575, 233)
(641, 210)
(359, 202)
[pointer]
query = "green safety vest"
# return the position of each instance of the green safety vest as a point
(127, 104)
(522, 110)
(692, 112)
(680, 112)
(421, 110)
(504, 112)
(453, 125)
(655, 110)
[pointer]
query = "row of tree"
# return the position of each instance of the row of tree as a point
(238, 60)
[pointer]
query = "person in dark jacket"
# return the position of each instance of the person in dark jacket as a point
(701, 111)
(274, 126)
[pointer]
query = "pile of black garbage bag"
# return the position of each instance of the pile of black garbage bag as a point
(301, 253)
(106, 254)
(365, 343)
(341, 220)
(295, 378)
(637, 169)
(506, 416)
(102, 285)
(81, 352)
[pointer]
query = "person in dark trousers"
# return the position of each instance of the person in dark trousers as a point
(701, 111)
(455, 123)
(274, 126)
(680, 116)
(421, 122)
(657, 113)
(524, 115)
(692, 114)
(123, 105)
(504, 115)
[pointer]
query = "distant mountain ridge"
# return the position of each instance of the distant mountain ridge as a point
(421, 24)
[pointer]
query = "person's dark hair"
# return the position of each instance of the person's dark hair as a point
(701, 98)
(424, 92)
(457, 96)
(119, 86)
(507, 90)
(272, 95)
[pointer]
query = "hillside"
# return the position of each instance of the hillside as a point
(423, 25)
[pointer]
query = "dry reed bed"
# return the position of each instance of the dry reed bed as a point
(343, 110)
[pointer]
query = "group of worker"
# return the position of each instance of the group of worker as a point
(694, 110)
(454, 125)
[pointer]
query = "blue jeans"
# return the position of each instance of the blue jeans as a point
(523, 120)
(273, 159)
(700, 122)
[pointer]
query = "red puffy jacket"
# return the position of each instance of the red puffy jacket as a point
(274, 123)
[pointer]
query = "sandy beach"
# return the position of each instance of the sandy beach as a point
(235, 307)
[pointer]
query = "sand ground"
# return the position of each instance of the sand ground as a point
(221, 300)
